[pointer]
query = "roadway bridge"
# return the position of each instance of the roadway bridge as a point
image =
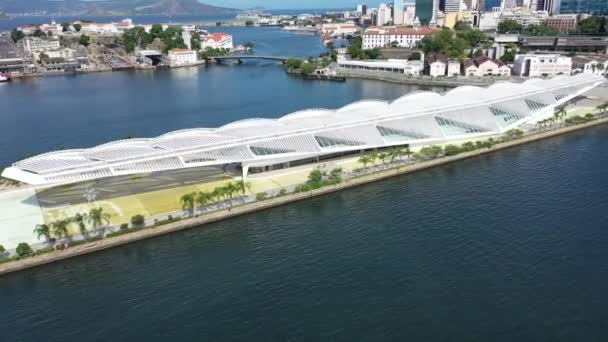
(282, 59)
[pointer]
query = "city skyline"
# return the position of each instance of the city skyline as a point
(291, 4)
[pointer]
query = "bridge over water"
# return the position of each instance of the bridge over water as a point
(242, 57)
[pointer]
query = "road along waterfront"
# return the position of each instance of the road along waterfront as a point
(277, 201)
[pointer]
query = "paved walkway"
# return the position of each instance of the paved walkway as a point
(19, 214)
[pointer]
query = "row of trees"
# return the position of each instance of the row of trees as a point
(591, 25)
(168, 39)
(357, 52)
(432, 152)
(512, 26)
(213, 52)
(389, 155)
(318, 178)
(95, 218)
(454, 43)
(219, 194)
(306, 67)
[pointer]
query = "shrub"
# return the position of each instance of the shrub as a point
(302, 188)
(452, 150)
(124, 226)
(167, 221)
(315, 176)
(514, 133)
(91, 239)
(44, 250)
(118, 233)
(282, 192)
(2, 250)
(23, 249)
(261, 196)
(308, 68)
(138, 220)
(430, 152)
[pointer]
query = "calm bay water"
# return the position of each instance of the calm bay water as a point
(505, 247)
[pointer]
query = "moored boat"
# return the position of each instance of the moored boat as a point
(5, 77)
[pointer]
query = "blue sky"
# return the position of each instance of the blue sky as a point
(290, 4)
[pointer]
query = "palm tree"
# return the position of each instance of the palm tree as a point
(203, 198)
(80, 220)
(407, 152)
(364, 159)
(373, 157)
(560, 113)
(395, 153)
(187, 201)
(243, 187)
(43, 230)
(60, 228)
(602, 107)
(218, 193)
(97, 217)
(231, 188)
(382, 156)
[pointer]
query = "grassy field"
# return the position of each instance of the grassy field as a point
(133, 202)
(122, 208)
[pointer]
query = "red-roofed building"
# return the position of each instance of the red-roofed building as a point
(339, 29)
(381, 36)
(484, 66)
(217, 40)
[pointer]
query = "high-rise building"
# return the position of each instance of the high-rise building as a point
(452, 6)
(362, 9)
(433, 21)
(552, 6)
(409, 13)
(508, 4)
(597, 7)
(398, 12)
(384, 14)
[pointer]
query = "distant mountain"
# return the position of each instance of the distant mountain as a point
(110, 7)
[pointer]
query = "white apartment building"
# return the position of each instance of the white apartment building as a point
(339, 29)
(489, 20)
(182, 57)
(484, 66)
(452, 6)
(98, 28)
(592, 64)
(409, 13)
(437, 65)
(376, 36)
(32, 45)
(399, 66)
(537, 65)
(453, 68)
(384, 15)
(397, 12)
(361, 9)
(217, 40)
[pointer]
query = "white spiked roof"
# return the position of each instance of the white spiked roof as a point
(197, 144)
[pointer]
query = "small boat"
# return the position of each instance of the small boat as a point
(5, 77)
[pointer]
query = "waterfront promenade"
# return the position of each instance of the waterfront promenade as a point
(289, 198)
(425, 80)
